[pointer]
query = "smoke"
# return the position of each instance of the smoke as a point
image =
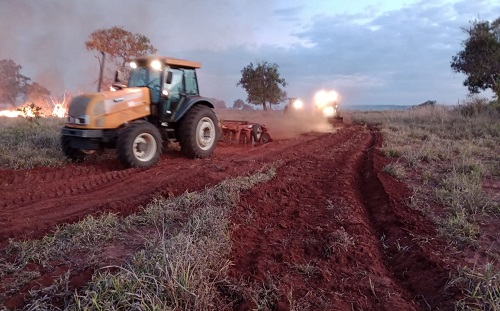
(47, 37)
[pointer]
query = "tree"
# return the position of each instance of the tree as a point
(12, 83)
(480, 58)
(119, 44)
(262, 84)
(240, 104)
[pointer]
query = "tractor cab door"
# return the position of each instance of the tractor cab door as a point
(174, 88)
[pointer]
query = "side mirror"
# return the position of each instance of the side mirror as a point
(118, 76)
(169, 77)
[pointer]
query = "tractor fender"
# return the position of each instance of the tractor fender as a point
(189, 102)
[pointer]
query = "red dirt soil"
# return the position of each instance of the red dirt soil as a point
(331, 228)
(334, 232)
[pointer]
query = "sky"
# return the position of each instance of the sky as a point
(370, 52)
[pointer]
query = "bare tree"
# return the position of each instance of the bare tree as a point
(120, 45)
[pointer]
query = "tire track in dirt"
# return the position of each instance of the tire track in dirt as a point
(33, 202)
(311, 234)
(409, 240)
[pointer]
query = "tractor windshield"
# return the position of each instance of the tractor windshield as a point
(145, 77)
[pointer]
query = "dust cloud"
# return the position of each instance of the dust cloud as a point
(280, 125)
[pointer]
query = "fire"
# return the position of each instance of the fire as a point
(10, 113)
(59, 110)
(28, 112)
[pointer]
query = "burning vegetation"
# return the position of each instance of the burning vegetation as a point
(51, 107)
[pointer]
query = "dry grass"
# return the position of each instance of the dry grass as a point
(25, 144)
(182, 258)
(446, 153)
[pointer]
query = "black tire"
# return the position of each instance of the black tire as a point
(265, 138)
(198, 132)
(256, 132)
(139, 145)
(75, 155)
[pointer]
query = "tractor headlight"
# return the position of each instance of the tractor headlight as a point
(322, 98)
(298, 104)
(80, 120)
(156, 65)
(133, 65)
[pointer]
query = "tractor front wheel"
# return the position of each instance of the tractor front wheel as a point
(139, 145)
(75, 155)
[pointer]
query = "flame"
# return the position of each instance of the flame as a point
(28, 112)
(10, 113)
(55, 107)
(15, 113)
(59, 111)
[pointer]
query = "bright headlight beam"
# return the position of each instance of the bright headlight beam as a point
(156, 65)
(322, 98)
(133, 65)
(298, 104)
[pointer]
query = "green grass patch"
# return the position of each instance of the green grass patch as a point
(481, 288)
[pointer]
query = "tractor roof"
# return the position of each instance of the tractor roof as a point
(170, 61)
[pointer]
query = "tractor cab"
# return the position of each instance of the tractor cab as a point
(169, 80)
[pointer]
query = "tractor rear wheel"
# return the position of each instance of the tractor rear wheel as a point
(139, 145)
(198, 132)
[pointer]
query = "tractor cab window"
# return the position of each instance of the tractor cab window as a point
(145, 77)
(191, 85)
(175, 87)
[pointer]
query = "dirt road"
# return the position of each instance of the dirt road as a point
(331, 229)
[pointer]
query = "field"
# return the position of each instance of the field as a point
(393, 210)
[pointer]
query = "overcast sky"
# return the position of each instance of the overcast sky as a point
(371, 52)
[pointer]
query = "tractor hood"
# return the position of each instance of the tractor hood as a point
(109, 109)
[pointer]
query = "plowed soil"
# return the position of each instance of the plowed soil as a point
(331, 230)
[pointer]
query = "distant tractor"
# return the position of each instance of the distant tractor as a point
(326, 106)
(160, 103)
(294, 105)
